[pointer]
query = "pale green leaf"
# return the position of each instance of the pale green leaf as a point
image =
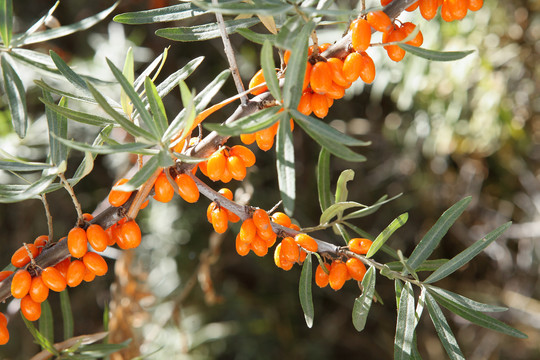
(164, 14)
(405, 324)
(16, 96)
(67, 315)
(386, 233)
(6, 21)
(206, 31)
(304, 290)
(46, 325)
(464, 301)
(129, 73)
(341, 187)
(323, 179)
(269, 70)
(248, 124)
(362, 304)
(435, 55)
(156, 106)
(285, 165)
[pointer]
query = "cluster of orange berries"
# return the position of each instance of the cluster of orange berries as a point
(338, 272)
(4, 333)
(218, 216)
(228, 163)
(450, 9)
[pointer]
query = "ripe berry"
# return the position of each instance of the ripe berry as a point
(394, 51)
(306, 242)
(187, 188)
(286, 56)
(219, 220)
(475, 5)
(256, 80)
(338, 275)
(281, 219)
(226, 176)
(4, 335)
(409, 27)
(379, 21)
(458, 8)
(248, 230)
(360, 34)
(319, 105)
(21, 257)
(97, 237)
(38, 290)
(77, 242)
(279, 261)
(95, 263)
(294, 227)
(428, 8)
(247, 138)
(360, 245)
(216, 165)
(307, 76)
(164, 191)
(352, 66)
(243, 153)
(336, 67)
(268, 235)
(5, 274)
(129, 235)
(258, 246)
(118, 198)
(304, 106)
(289, 250)
(41, 241)
(236, 167)
(30, 309)
(63, 266)
(335, 91)
(265, 138)
(3, 320)
(20, 284)
(75, 273)
(446, 14)
(261, 220)
(320, 77)
(321, 277)
(356, 269)
(242, 248)
(53, 279)
(89, 275)
(367, 71)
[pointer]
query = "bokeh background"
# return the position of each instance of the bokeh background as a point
(439, 132)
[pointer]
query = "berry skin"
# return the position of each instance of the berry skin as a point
(379, 21)
(30, 309)
(38, 290)
(336, 67)
(319, 105)
(256, 80)
(409, 27)
(95, 263)
(304, 106)
(338, 275)
(367, 72)
(216, 165)
(360, 245)
(53, 279)
(21, 258)
(97, 237)
(356, 269)
(281, 219)
(286, 56)
(335, 92)
(458, 8)
(89, 275)
(247, 138)
(164, 191)
(289, 250)
(279, 261)
(20, 284)
(321, 277)
(428, 8)
(352, 66)
(321, 77)
(77, 242)
(3, 320)
(236, 167)
(243, 153)
(4, 335)
(265, 138)
(475, 5)
(242, 248)
(307, 76)
(5, 274)
(261, 220)
(41, 241)
(129, 235)
(306, 242)
(219, 220)
(248, 230)
(118, 198)
(446, 14)
(394, 51)
(63, 266)
(360, 35)
(187, 188)
(259, 247)
(75, 273)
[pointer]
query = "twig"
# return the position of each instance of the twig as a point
(48, 215)
(76, 203)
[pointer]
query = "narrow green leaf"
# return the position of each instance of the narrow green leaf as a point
(432, 238)
(39, 61)
(304, 290)
(134, 148)
(236, 8)
(67, 314)
(182, 74)
(428, 265)
(156, 106)
(435, 55)
(357, 230)
(341, 187)
(68, 73)
(164, 159)
(386, 233)
(475, 316)
(323, 179)
(165, 14)
(39, 338)
(398, 287)
(141, 176)
(464, 301)
(16, 95)
(248, 124)
(269, 70)
(340, 229)
(16, 193)
(95, 351)
(6, 21)
(159, 60)
(46, 327)
(287, 37)
(206, 31)
(362, 304)
(296, 68)
(70, 95)
(256, 37)
(415, 353)
(11, 165)
(368, 210)
(82, 117)
(58, 127)
(443, 329)
(336, 209)
(38, 24)
(405, 325)
(285, 165)
(466, 255)
(129, 73)
(189, 105)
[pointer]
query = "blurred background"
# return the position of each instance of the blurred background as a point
(439, 132)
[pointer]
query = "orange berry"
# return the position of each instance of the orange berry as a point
(21, 257)
(75, 273)
(20, 284)
(409, 27)
(412, 7)
(95, 263)
(256, 80)
(77, 242)
(458, 8)
(428, 8)
(243, 153)
(281, 219)
(63, 266)
(187, 188)
(247, 138)
(385, 2)
(356, 269)
(164, 191)
(306, 242)
(304, 106)
(265, 139)
(379, 21)
(360, 245)
(248, 230)
(203, 167)
(209, 210)
(269, 236)
(261, 219)
(338, 275)
(226, 176)
(216, 165)
(394, 51)
(294, 227)
(118, 198)
(236, 167)
(5, 274)
(286, 56)
(219, 220)
(30, 309)
(259, 246)
(289, 250)
(279, 261)
(360, 35)
(53, 279)
(179, 146)
(3, 320)
(41, 241)
(321, 278)
(112, 232)
(307, 76)
(242, 248)
(302, 257)
(227, 193)
(129, 235)
(232, 216)
(446, 14)
(367, 71)
(320, 77)
(475, 5)
(335, 91)
(336, 68)
(97, 237)
(89, 275)
(87, 216)
(352, 67)
(38, 290)
(323, 47)
(319, 105)
(4, 335)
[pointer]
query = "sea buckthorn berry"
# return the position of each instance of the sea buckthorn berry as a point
(279, 261)
(226, 176)
(187, 188)
(63, 266)
(227, 193)
(286, 56)
(256, 80)
(323, 47)
(118, 198)
(352, 67)
(243, 153)
(215, 165)
(289, 250)
(385, 2)
(356, 269)
(248, 230)
(458, 8)
(97, 237)
(259, 247)
(446, 14)
(409, 27)
(95, 263)
(261, 219)
(319, 105)
(304, 106)
(21, 257)
(129, 235)
(367, 72)
(53, 279)
(4, 335)
(30, 309)
(428, 8)
(20, 284)
(360, 35)
(335, 91)
(320, 77)
(219, 220)
(321, 278)
(360, 245)
(336, 68)
(41, 241)
(203, 167)
(232, 217)
(3, 320)
(75, 273)
(164, 191)
(236, 167)
(394, 51)
(329, 101)
(112, 233)
(475, 5)
(89, 275)
(307, 76)
(269, 236)
(209, 210)
(294, 227)
(5, 274)
(302, 257)
(265, 139)
(77, 242)
(338, 275)
(247, 139)
(306, 242)
(281, 219)
(379, 21)
(87, 216)
(412, 7)
(38, 290)
(242, 248)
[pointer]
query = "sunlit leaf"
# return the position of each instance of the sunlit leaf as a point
(428, 265)
(435, 55)
(386, 233)
(40, 339)
(156, 106)
(285, 165)
(248, 124)
(38, 24)
(46, 326)
(235, 8)
(464, 301)
(164, 14)
(141, 176)
(67, 315)
(58, 128)
(296, 68)
(134, 148)
(16, 95)
(304, 289)
(82, 117)
(6, 21)
(129, 74)
(341, 186)
(405, 324)
(368, 210)
(256, 37)
(269, 70)
(336, 209)
(362, 304)
(204, 32)
(323, 179)
(11, 165)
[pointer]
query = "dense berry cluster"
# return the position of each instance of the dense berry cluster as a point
(450, 9)
(228, 163)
